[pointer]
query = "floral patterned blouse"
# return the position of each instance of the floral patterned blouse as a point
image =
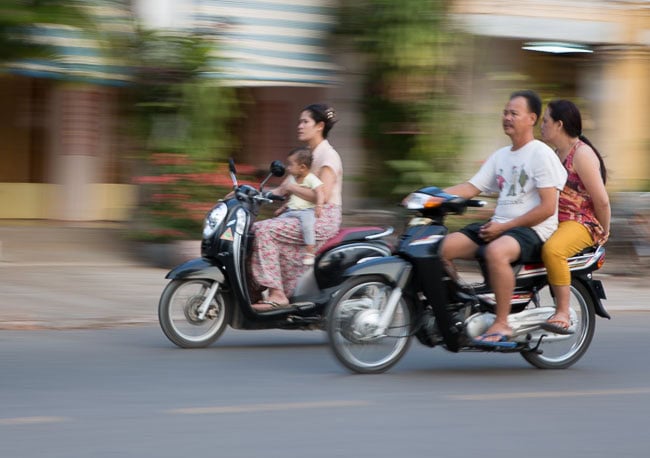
(575, 203)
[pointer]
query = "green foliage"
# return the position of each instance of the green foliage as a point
(183, 124)
(410, 110)
(177, 109)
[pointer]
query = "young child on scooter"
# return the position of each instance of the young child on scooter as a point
(299, 165)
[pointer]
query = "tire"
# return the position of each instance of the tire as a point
(177, 314)
(350, 319)
(565, 353)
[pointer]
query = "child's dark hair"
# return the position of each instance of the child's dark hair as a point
(303, 156)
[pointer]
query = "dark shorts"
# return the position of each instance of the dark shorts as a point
(529, 242)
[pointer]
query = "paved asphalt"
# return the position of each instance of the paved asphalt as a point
(58, 276)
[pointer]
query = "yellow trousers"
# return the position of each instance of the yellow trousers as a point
(570, 238)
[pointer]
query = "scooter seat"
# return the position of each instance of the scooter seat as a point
(349, 234)
(480, 256)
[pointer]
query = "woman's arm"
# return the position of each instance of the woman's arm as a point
(282, 189)
(587, 166)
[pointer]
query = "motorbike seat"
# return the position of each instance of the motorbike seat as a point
(350, 234)
(480, 255)
(529, 264)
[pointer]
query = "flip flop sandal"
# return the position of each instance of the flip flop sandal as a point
(503, 341)
(556, 328)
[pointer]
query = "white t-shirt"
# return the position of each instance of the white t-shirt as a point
(516, 176)
(310, 181)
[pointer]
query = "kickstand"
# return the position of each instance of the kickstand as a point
(536, 348)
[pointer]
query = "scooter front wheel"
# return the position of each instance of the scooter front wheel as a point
(355, 337)
(178, 314)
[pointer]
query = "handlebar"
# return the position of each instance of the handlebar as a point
(476, 203)
(270, 196)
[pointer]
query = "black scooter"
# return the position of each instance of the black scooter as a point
(207, 294)
(386, 301)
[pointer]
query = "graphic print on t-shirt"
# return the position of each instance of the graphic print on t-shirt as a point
(518, 176)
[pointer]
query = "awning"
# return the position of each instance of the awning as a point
(77, 55)
(270, 42)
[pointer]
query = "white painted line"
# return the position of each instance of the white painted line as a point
(31, 420)
(267, 407)
(547, 394)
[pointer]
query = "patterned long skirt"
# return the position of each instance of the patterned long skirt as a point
(276, 260)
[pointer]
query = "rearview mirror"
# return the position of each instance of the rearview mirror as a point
(277, 168)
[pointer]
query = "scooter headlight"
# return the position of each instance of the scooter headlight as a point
(241, 221)
(214, 219)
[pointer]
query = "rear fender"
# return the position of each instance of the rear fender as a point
(198, 268)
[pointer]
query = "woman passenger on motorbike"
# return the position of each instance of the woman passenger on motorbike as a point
(276, 262)
(583, 210)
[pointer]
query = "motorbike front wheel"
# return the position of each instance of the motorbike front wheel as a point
(179, 318)
(352, 326)
(563, 353)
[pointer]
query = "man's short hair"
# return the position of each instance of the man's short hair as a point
(533, 100)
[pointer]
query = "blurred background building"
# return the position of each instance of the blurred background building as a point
(66, 146)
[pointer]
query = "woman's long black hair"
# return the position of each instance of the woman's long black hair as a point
(568, 113)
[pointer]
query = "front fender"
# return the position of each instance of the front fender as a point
(391, 267)
(198, 268)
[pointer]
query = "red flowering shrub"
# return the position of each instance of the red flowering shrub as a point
(174, 197)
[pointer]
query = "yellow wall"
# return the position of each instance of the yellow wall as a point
(112, 202)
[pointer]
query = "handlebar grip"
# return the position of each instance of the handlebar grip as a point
(476, 203)
(269, 195)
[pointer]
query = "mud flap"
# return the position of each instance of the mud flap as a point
(598, 292)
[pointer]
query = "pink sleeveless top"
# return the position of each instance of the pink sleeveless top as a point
(575, 203)
(324, 155)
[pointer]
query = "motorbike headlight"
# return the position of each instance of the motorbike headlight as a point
(418, 201)
(214, 219)
(241, 221)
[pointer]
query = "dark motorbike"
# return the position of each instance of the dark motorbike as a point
(207, 294)
(386, 301)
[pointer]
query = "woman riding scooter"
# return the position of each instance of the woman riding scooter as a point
(277, 250)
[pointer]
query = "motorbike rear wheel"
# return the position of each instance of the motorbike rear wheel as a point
(178, 314)
(353, 335)
(564, 353)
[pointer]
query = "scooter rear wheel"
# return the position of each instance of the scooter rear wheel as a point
(178, 314)
(564, 353)
(351, 326)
